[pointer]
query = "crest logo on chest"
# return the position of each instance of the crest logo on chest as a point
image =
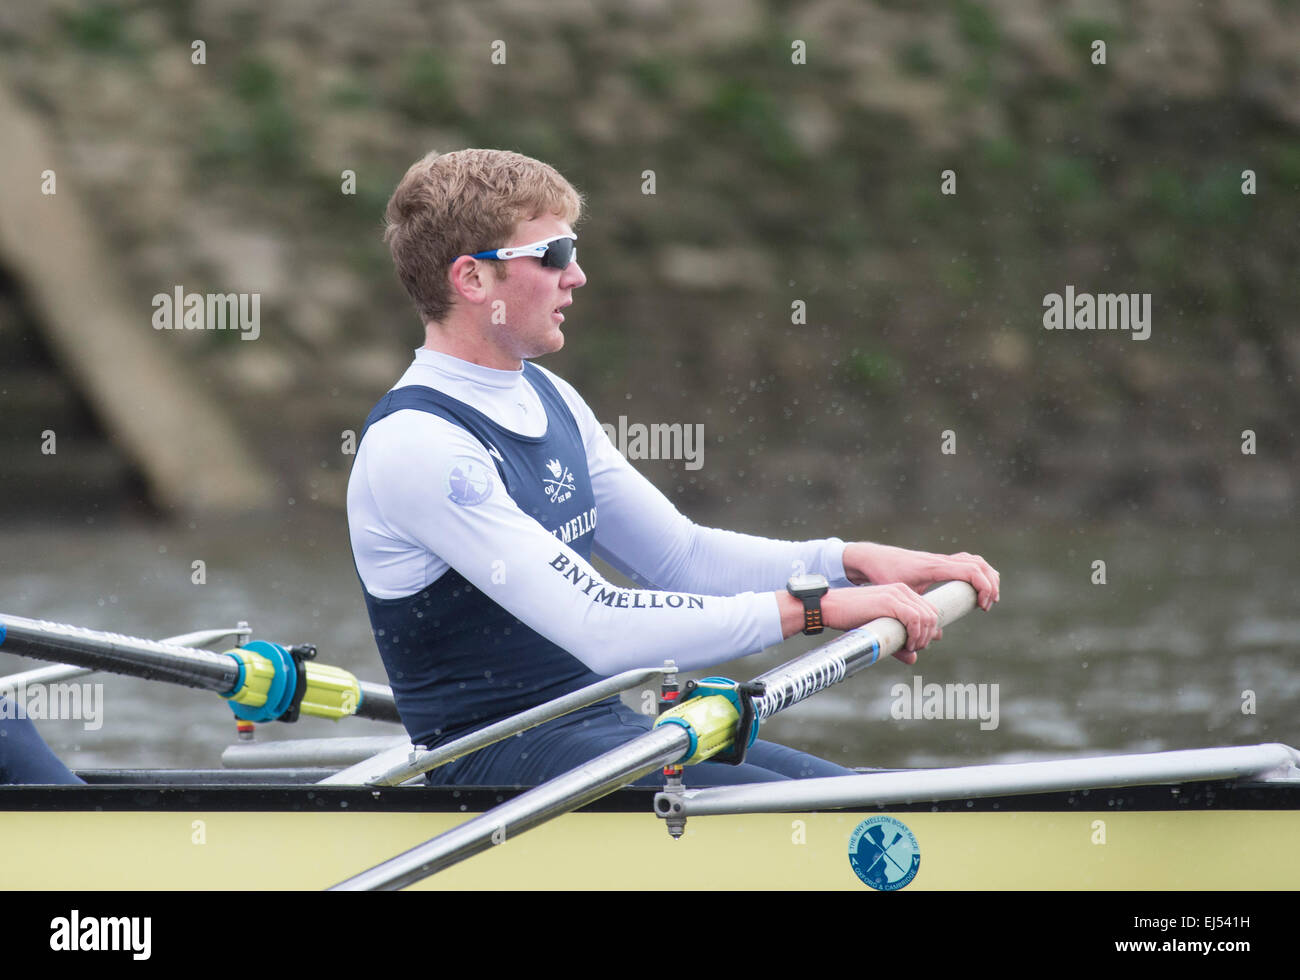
(559, 487)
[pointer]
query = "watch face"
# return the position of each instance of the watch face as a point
(801, 585)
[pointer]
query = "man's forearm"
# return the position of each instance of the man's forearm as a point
(868, 563)
(858, 558)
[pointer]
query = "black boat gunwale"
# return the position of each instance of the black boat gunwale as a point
(272, 791)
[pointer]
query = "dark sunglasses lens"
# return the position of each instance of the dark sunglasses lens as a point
(559, 253)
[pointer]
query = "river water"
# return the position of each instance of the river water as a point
(1193, 640)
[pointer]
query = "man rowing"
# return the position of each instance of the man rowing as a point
(483, 485)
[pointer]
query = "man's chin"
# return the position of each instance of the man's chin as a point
(548, 346)
(556, 342)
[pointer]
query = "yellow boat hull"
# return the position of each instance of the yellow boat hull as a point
(1070, 848)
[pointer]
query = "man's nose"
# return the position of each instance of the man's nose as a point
(573, 276)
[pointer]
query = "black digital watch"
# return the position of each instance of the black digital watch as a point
(809, 590)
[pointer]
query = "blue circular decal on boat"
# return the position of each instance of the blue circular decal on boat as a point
(884, 853)
(468, 482)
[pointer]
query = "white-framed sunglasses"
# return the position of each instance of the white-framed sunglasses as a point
(555, 253)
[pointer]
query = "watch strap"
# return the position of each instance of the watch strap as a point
(812, 615)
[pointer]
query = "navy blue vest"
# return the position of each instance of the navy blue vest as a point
(455, 659)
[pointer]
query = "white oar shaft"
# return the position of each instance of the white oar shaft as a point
(576, 788)
(792, 682)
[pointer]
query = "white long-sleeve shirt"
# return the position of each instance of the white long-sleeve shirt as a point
(407, 530)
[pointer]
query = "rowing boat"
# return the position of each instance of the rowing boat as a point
(276, 829)
(319, 813)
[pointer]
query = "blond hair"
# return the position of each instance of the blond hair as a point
(454, 204)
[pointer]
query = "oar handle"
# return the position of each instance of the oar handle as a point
(856, 650)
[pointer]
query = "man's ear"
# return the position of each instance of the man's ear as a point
(469, 280)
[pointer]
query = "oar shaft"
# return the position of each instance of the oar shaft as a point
(63, 672)
(156, 660)
(576, 788)
(117, 654)
(52, 674)
(378, 703)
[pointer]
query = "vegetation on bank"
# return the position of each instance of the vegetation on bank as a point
(775, 182)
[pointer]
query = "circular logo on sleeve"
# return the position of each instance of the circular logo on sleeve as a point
(884, 853)
(468, 481)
